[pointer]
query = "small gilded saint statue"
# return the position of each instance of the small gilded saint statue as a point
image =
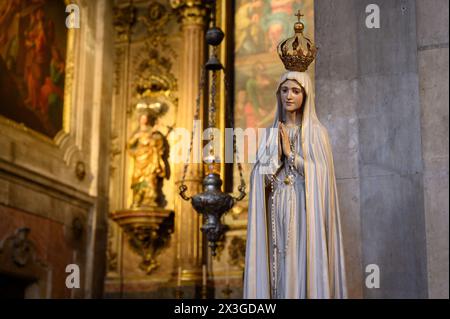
(149, 149)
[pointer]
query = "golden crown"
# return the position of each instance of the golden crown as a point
(297, 52)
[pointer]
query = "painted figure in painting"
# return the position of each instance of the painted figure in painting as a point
(249, 32)
(32, 62)
(294, 243)
(259, 27)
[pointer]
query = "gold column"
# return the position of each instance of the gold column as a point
(188, 221)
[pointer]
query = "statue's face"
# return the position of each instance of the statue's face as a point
(292, 96)
(143, 120)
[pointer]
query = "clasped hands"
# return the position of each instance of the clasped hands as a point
(284, 145)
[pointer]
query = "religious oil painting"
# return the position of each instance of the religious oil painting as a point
(260, 25)
(33, 41)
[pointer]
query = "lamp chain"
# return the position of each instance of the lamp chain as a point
(183, 187)
(212, 114)
(242, 185)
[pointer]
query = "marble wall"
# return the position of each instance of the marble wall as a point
(58, 188)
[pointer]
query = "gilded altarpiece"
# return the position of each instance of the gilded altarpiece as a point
(146, 61)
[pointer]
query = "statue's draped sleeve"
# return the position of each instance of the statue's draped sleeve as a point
(257, 270)
(256, 276)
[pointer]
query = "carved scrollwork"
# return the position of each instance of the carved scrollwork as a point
(153, 77)
(124, 19)
(80, 170)
(156, 21)
(191, 11)
(21, 249)
(18, 257)
(74, 231)
(111, 253)
(115, 151)
(148, 232)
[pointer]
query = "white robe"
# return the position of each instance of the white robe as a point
(287, 216)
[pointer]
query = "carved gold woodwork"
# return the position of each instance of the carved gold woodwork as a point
(124, 19)
(191, 11)
(146, 90)
(154, 81)
(148, 231)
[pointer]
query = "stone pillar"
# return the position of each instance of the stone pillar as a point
(368, 97)
(188, 221)
(432, 55)
(336, 106)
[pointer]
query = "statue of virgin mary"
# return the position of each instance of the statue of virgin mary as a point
(294, 242)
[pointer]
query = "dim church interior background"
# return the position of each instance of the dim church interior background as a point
(66, 169)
